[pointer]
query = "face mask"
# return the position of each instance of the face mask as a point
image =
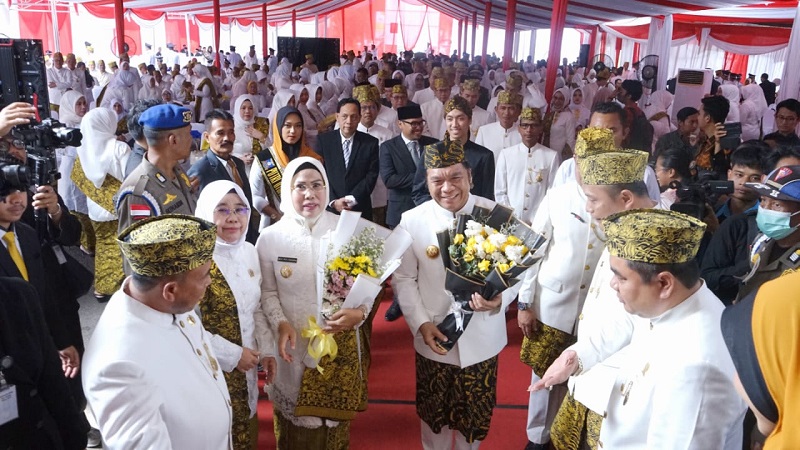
(774, 224)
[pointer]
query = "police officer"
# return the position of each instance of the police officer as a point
(158, 185)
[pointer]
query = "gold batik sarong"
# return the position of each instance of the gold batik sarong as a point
(544, 347)
(292, 437)
(221, 317)
(108, 273)
(575, 427)
(88, 241)
(461, 399)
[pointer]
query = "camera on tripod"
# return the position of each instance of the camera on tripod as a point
(23, 78)
(692, 198)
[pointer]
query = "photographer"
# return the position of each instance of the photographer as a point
(38, 257)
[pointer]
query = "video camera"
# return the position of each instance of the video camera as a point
(23, 78)
(692, 198)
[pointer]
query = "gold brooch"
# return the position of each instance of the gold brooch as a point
(432, 251)
(252, 274)
(286, 271)
(190, 319)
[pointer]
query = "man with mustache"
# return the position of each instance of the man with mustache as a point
(220, 164)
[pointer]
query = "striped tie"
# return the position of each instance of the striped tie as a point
(346, 152)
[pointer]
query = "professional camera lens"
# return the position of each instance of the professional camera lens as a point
(68, 137)
(13, 177)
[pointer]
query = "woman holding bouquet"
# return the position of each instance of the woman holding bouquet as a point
(231, 307)
(312, 411)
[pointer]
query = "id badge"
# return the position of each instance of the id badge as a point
(8, 404)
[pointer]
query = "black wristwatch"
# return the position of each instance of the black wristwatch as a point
(523, 306)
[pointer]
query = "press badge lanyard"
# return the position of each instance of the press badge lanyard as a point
(8, 393)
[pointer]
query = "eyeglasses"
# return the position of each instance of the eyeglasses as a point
(303, 188)
(239, 211)
(415, 124)
(781, 118)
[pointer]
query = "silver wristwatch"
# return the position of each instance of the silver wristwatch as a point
(523, 306)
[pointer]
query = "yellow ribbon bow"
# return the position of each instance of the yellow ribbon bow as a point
(319, 342)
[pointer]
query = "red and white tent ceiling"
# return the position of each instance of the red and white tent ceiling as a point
(530, 13)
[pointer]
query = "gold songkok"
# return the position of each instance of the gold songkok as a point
(530, 114)
(460, 103)
(365, 93)
(437, 72)
(383, 74)
(167, 245)
(653, 236)
(460, 65)
(399, 89)
(441, 83)
(509, 98)
(471, 85)
(445, 153)
(618, 167)
(514, 81)
(594, 140)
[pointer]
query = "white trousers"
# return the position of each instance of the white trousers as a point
(446, 439)
(542, 408)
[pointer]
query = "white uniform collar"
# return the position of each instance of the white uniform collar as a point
(140, 310)
(466, 209)
(682, 309)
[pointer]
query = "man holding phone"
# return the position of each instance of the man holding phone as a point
(712, 159)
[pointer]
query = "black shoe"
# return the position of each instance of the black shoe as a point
(533, 446)
(393, 313)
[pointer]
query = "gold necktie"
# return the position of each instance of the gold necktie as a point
(236, 178)
(16, 256)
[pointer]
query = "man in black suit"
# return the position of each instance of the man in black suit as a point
(769, 88)
(399, 158)
(351, 161)
(220, 164)
(458, 118)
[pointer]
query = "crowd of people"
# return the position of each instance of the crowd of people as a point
(663, 304)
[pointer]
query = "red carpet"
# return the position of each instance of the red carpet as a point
(391, 423)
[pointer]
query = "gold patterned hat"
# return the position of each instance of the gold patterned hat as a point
(460, 103)
(167, 245)
(622, 166)
(445, 153)
(460, 65)
(437, 72)
(514, 81)
(365, 93)
(509, 98)
(399, 89)
(440, 83)
(471, 85)
(653, 236)
(383, 74)
(530, 114)
(594, 140)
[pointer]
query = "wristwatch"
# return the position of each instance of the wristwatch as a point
(523, 306)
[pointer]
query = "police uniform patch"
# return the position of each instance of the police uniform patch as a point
(168, 198)
(161, 178)
(187, 116)
(186, 179)
(140, 212)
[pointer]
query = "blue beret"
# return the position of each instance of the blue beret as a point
(166, 117)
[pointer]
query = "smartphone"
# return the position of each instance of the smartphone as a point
(733, 137)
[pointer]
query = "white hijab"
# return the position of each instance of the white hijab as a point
(240, 125)
(99, 146)
(66, 111)
(207, 202)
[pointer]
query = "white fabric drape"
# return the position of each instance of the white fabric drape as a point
(658, 43)
(745, 49)
(790, 82)
(769, 63)
(695, 55)
(626, 54)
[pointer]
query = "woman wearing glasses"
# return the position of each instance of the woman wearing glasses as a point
(265, 178)
(240, 341)
(312, 411)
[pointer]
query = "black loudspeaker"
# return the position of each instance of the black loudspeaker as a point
(583, 57)
(325, 50)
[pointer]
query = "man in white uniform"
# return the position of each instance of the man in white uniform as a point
(456, 390)
(150, 376)
(470, 89)
(59, 80)
(370, 102)
(234, 57)
(433, 111)
(272, 61)
(251, 59)
(504, 133)
(525, 171)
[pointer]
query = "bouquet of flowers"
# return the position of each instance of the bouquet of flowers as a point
(355, 260)
(486, 253)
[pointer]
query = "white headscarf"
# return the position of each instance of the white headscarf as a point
(66, 111)
(659, 101)
(99, 147)
(240, 125)
(314, 107)
(280, 100)
(110, 105)
(208, 200)
(287, 205)
(731, 93)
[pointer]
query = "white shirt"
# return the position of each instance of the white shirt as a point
(566, 173)
(62, 78)
(379, 196)
(480, 117)
(423, 96)
(678, 384)
(494, 137)
(151, 381)
(433, 114)
(522, 177)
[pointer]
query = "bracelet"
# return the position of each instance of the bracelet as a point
(58, 211)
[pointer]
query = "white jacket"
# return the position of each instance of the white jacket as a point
(523, 176)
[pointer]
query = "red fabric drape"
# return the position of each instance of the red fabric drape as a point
(39, 25)
(736, 63)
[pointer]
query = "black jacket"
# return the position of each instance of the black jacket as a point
(727, 257)
(361, 174)
(48, 418)
(398, 171)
